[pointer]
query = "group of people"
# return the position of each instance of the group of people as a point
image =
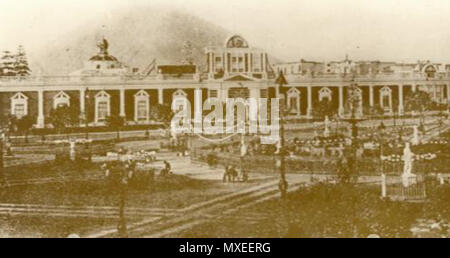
(123, 172)
(231, 174)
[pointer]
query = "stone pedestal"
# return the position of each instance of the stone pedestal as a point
(408, 179)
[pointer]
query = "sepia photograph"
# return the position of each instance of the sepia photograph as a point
(224, 119)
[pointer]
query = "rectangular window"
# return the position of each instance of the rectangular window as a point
(264, 93)
(19, 110)
(218, 64)
(142, 110)
(213, 93)
(102, 111)
(246, 62)
(385, 101)
(257, 63)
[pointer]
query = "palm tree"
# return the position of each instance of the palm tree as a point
(63, 117)
(24, 124)
(115, 122)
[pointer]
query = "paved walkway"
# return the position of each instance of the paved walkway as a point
(25, 159)
(156, 222)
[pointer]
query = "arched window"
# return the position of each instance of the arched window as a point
(236, 41)
(386, 98)
(430, 71)
(141, 106)
(61, 99)
(293, 101)
(325, 93)
(19, 105)
(179, 96)
(102, 106)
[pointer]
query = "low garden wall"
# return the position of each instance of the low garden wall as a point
(310, 165)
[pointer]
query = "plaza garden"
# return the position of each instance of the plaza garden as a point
(336, 210)
(355, 209)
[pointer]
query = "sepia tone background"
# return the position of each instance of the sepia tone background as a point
(56, 33)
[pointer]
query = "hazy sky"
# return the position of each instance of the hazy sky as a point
(397, 30)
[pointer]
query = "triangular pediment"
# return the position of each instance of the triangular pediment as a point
(239, 77)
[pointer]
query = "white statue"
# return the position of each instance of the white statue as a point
(244, 146)
(326, 132)
(415, 140)
(72, 149)
(408, 157)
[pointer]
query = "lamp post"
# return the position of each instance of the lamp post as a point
(123, 194)
(281, 163)
(381, 129)
(86, 97)
(2, 137)
(354, 101)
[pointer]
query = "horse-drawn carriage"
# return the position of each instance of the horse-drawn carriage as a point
(130, 173)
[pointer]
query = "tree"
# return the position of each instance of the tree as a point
(63, 117)
(419, 101)
(24, 124)
(7, 64)
(353, 101)
(11, 123)
(161, 113)
(21, 67)
(374, 111)
(324, 108)
(115, 122)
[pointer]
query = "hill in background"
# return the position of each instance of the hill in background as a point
(136, 37)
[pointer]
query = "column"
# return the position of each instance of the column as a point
(263, 69)
(160, 96)
(371, 95)
(209, 63)
(400, 99)
(210, 72)
(341, 101)
(82, 100)
(122, 103)
(448, 93)
(309, 109)
(223, 94)
(433, 87)
(198, 104)
(213, 64)
(250, 62)
(40, 118)
(225, 63)
(413, 87)
(254, 93)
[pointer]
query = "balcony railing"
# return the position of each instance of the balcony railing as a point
(400, 76)
(292, 78)
(32, 80)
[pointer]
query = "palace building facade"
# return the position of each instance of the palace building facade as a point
(107, 87)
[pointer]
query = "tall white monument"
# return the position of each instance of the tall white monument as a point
(408, 178)
(416, 139)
